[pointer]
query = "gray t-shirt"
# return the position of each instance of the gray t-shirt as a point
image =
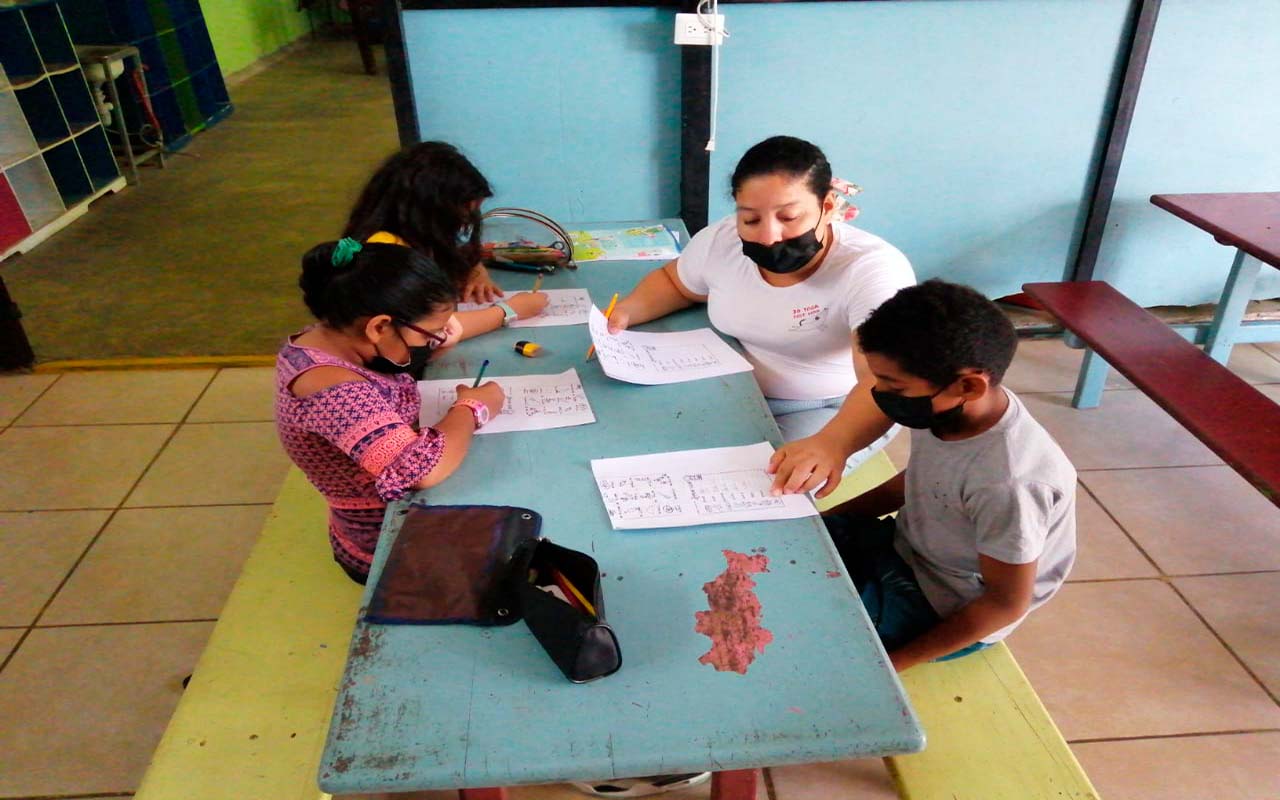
(1008, 493)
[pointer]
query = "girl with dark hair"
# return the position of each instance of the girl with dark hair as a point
(347, 398)
(792, 280)
(427, 197)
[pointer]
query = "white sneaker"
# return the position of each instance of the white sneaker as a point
(642, 787)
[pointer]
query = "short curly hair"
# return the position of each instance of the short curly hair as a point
(936, 329)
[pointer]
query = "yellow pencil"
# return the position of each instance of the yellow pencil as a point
(608, 312)
(537, 284)
(565, 583)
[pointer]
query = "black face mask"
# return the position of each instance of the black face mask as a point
(415, 367)
(785, 256)
(917, 412)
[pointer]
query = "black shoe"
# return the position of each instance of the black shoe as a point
(642, 787)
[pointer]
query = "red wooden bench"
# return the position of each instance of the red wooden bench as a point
(1234, 419)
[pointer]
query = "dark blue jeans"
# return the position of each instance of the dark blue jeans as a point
(888, 587)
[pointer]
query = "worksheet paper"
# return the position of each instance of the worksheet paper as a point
(534, 402)
(694, 487)
(564, 307)
(653, 358)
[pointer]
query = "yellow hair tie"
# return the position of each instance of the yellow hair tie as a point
(384, 237)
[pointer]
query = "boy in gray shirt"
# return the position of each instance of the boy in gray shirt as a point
(986, 525)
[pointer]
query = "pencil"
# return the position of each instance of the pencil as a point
(480, 374)
(609, 311)
(565, 584)
(537, 284)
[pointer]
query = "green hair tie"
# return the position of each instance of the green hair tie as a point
(345, 250)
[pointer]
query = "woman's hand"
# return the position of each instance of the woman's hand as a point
(805, 464)
(528, 304)
(489, 393)
(619, 320)
(480, 288)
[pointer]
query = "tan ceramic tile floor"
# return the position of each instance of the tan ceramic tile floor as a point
(1158, 661)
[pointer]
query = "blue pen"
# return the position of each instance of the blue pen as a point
(483, 367)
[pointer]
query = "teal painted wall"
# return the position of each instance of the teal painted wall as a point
(974, 125)
(573, 112)
(970, 124)
(1207, 120)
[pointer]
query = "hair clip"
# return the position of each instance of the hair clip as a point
(845, 211)
(345, 250)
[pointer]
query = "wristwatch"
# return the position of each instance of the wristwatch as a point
(508, 313)
(478, 410)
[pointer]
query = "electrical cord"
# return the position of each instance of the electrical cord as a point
(717, 34)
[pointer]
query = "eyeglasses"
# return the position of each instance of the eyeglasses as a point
(437, 339)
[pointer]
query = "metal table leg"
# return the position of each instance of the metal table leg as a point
(1092, 378)
(117, 111)
(1231, 306)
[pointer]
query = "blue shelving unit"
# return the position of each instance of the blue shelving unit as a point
(185, 86)
(54, 154)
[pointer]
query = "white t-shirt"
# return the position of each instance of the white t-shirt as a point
(1008, 493)
(798, 338)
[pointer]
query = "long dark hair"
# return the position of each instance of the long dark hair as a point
(380, 279)
(423, 194)
(785, 155)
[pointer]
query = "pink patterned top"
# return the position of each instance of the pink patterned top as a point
(356, 443)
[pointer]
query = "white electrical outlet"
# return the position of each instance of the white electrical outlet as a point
(690, 30)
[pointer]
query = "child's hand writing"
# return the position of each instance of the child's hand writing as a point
(489, 393)
(529, 304)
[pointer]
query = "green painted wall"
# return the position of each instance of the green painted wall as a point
(244, 31)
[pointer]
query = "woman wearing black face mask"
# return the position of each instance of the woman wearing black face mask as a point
(790, 279)
(347, 398)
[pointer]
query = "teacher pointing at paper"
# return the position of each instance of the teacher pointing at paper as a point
(790, 279)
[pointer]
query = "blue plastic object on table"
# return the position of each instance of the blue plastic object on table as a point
(436, 707)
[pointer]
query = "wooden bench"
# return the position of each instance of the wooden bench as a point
(988, 736)
(253, 720)
(1235, 420)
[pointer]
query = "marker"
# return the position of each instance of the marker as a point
(537, 284)
(609, 311)
(480, 375)
(527, 349)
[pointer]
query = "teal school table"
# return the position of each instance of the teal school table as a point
(441, 707)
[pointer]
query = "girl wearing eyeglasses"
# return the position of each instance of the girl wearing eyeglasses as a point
(347, 399)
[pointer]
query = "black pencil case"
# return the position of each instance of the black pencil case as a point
(578, 639)
(488, 565)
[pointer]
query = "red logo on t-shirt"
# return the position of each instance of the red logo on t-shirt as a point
(808, 318)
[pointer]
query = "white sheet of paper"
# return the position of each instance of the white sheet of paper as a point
(534, 402)
(653, 358)
(694, 487)
(564, 307)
